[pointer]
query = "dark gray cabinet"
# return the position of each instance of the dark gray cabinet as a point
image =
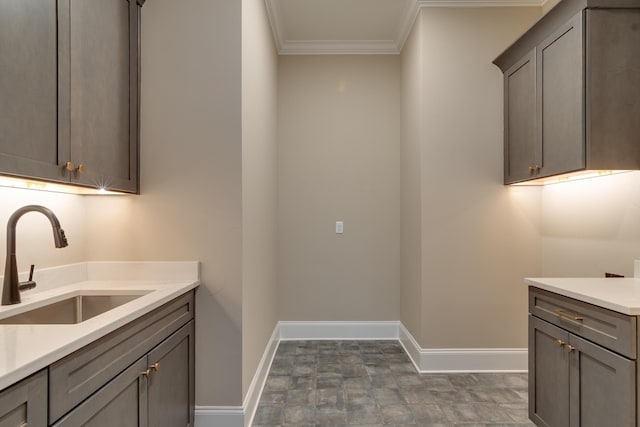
(572, 91)
(25, 403)
(29, 135)
(70, 76)
(521, 150)
(171, 391)
(560, 100)
(157, 390)
(142, 374)
(97, 377)
(122, 402)
(574, 381)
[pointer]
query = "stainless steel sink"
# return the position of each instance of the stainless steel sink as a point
(72, 310)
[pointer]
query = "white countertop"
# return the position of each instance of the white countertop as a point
(617, 294)
(28, 348)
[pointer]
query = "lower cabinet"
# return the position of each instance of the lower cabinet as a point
(573, 381)
(140, 375)
(157, 390)
(25, 403)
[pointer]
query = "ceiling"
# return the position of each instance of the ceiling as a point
(302, 27)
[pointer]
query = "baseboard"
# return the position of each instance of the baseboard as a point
(463, 359)
(260, 378)
(241, 416)
(219, 416)
(338, 330)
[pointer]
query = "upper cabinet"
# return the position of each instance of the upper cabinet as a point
(572, 92)
(70, 91)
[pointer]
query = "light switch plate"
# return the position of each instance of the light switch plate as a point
(339, 227)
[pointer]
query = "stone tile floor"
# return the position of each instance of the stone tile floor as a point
(373, 383)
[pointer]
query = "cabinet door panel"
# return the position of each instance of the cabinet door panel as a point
(122, 402)
(103, 61)
(171, 387)
(521, 149)
(29, 140)
(25, 403)
(560, 85)
(602, 387)
(548, 374)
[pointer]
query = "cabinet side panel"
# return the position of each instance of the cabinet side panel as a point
(613, 90)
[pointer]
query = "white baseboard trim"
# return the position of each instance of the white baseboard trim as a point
(241, 416)
(252, 398)
(463, 359)
(290, 331)
(219, 416)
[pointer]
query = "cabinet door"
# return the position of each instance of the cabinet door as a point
(104, 92)
(521, 149)
(121, 402)
(560, 87)
(25, 403)
(603, 388)
(548, 374)
(31, 144)
(171, 385)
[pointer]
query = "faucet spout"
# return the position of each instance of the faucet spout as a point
(11, 284)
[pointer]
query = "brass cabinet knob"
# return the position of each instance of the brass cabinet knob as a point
(569, 348)
(146, 373)
(537, 168)
(69, 166)
(531, 169)
(155, 366)
(81, 168)
(560, 343)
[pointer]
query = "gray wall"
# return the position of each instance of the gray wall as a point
(339, 136)
(190, 207)
(259, 186)
(478, 238)
(34, 238)
(592, 226)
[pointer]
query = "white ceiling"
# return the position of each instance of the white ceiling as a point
(354, 26)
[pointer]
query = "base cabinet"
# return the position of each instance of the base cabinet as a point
(140, 375)
(25, 403)
(157, 390)
(572, 380)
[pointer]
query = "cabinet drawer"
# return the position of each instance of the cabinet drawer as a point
(77, 376)
(608, 328)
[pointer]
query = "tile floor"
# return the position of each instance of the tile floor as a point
(373, 383)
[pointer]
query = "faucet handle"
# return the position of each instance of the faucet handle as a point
(29, 284)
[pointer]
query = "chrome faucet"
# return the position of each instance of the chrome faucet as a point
(12, 286)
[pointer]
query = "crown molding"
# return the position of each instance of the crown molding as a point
(274, 19)
(369, 47)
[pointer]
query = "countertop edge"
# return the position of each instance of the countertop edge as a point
(166, 293)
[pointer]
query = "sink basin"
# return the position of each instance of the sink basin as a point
(72, 310)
